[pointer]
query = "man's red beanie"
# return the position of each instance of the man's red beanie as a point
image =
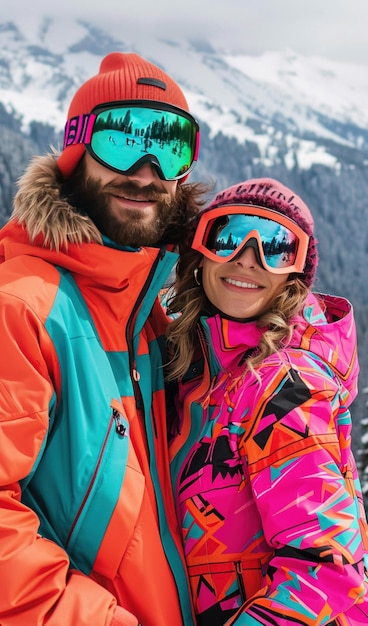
(122, 76)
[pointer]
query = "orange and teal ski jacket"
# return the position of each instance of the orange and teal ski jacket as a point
(88, 533)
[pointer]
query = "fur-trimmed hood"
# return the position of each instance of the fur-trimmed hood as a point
(39, 207)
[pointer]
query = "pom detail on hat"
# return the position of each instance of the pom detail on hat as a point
(272, 194)
(122, 76)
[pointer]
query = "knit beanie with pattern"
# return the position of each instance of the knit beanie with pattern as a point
(122, 76)
(272, 194)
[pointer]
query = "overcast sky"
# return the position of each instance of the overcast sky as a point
(335, 29)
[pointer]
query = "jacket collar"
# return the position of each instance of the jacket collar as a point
(326, 329)
(231, 340)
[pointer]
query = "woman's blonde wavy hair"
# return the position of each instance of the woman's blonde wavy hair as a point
(189, 302)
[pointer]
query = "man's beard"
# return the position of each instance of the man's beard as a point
(130, 227)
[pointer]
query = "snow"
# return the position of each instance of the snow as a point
(334, 88)
(225, 92)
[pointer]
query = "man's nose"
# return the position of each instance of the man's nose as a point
(146, 174)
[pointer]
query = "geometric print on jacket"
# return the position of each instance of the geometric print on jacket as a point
(266, 486)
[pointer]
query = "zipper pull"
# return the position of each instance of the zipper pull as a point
(136, 375)
(119, 427)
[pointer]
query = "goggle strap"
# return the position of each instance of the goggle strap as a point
(79, 129)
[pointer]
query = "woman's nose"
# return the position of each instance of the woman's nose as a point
(247, 257)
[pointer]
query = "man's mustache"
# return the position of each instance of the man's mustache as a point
(129, 188)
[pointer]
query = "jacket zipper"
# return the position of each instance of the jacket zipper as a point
(135, 375)
(120, 429)
(238, 571)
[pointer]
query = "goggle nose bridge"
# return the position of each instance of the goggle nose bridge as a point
(251, 242)
(150, 159)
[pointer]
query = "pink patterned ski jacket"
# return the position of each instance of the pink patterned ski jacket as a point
(265, 482)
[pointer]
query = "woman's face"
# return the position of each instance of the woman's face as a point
(241, 288)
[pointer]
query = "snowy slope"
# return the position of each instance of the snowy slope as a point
(305, 99)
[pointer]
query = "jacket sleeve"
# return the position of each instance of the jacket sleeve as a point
(304, 483)
(37, 586)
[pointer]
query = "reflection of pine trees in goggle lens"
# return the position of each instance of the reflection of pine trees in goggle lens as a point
(164, 127)
(166, 135)
(227, 234)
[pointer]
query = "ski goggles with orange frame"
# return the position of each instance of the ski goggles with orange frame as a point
(125, 135)
(224, 232)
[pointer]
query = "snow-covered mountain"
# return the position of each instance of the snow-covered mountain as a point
(308, 103)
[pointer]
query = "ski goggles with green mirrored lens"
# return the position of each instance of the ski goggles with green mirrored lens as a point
(125, 135)
(223, 233)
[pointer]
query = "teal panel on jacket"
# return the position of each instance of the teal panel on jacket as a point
(120, 367)
(164, 267)
(78, 480)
